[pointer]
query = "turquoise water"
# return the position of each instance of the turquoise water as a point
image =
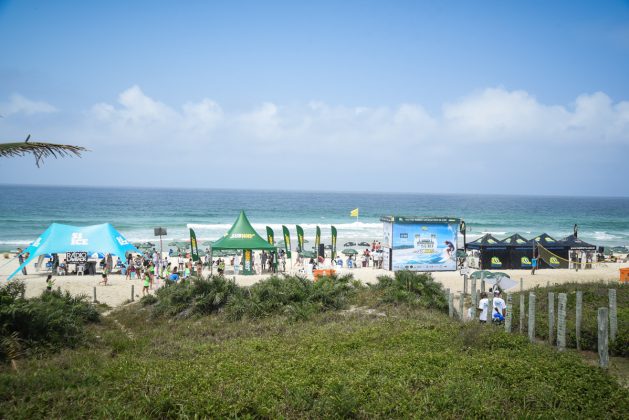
(26, 211)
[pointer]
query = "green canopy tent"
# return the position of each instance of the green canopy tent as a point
(242, 236)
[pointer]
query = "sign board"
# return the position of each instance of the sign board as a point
(76, 257)
(422, 244)
(160, 231)
(247, 262)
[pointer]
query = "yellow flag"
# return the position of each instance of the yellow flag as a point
(354, 213)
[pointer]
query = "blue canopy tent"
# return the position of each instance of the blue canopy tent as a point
(60, 238)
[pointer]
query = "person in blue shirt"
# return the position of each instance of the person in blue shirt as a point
(174, 276)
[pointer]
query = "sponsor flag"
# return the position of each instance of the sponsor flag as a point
(300, 238)
(270, 235)
(333, 242)
(354, 213)
(194, 249)
(317, 240)
(286, 240)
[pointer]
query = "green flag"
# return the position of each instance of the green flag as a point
(317, 240)
(194, 249)
(300, 239)
(286, 240)
(270, 235)
(333, 242)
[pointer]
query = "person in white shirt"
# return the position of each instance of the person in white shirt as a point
(180, 261)
(483, 307)
(499, 310)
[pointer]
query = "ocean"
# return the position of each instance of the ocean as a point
(26, 211)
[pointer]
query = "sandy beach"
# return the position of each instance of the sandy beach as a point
(119, 289)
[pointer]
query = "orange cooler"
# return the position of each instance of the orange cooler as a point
(322, 273)
(624, 274)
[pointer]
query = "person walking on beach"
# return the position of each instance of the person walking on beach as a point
(483, 307)
(20, 258)
(533, 265)
(49, 283)
(104, 280)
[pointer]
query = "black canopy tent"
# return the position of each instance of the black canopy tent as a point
(520, 252)
(493, 253)
(575, 244)
(552, 245)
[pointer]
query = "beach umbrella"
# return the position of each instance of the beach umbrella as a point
(308, 254)
(99, 255)
(501, 281)
(349, 244)
(350, 251)
(172, 243)
(363, 244)
(483, 273)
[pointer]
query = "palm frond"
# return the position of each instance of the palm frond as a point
(40, 150)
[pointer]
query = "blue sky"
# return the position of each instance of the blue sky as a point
(476, 97)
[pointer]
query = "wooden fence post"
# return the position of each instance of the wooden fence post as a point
(521, 284)
(522, 312)
(603, 343)
(531, 317)
(132, 293)
(490, 309)
(613, 315)
(450, 305)
(473, 288)
(94, 294)
(462, 306)
(551, 317)
(509, 314)
(464, 284)
(579, 314)
(482, 283)
(561, 321)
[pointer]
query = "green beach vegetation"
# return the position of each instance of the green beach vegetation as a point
(288, 347)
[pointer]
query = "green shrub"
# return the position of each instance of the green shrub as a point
(418, 289)
(197, 296)
(295, 296)
(48, 322)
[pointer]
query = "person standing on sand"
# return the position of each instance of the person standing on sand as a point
(180, 262)
(109, 263)
(533, 265)
(20, 258)
(483, 307)
(499, 307)
(147, 283)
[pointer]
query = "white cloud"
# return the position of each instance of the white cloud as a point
(493, 115)
(19, 104)
(407, 145)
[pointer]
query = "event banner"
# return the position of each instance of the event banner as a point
(286, 241)
(317, 240)
(270, 235)
(333, 242)
(247, 262)
(424, 246)
(300, 238)
(194, 249)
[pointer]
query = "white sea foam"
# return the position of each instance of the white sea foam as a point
(604, 236)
